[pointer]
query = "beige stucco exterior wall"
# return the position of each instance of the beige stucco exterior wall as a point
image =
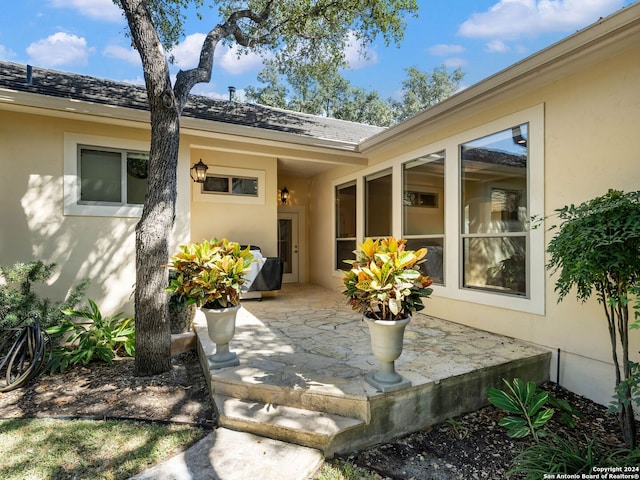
(33, 226)
(254, 224)
(590, 124)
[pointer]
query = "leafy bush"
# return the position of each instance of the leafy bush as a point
(554, 455)
(533, 406)
(595, 250)
(102, 339)
(19, 303)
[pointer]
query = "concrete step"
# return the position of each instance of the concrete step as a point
(240, 382)
(319, 430)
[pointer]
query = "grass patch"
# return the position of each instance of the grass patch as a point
(87, 449)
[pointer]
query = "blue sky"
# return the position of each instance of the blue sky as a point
(480, 36)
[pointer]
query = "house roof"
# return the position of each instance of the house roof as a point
(52, 83)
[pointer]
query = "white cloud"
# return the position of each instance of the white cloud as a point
(443, 50)
(187, 53)
(60, 49)
(511, 19)
(104, 10)
(455, 62)
(497, 46)
(129, 55)
(358, 56)
(229, 61)
(6, 53)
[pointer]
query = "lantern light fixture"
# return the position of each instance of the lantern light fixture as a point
(284, 195)
(200, 170)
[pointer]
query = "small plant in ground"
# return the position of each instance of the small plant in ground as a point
(533, 406)
(18, 301)
(459, 429)
(102, 339)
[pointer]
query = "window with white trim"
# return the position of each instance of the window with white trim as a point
(230, 185)
(423, 210)
(104, 176)
(489, 181)
(378, 204)
(111, 177)
(345, 223)
(494, 216)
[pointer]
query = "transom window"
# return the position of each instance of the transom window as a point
(231, 185)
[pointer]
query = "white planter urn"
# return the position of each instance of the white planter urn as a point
(386, 343)
(221, 324)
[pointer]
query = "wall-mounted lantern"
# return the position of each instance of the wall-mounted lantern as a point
(200, 170)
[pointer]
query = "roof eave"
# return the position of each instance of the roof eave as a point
(101, 113)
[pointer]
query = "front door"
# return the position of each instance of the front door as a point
(288, 245)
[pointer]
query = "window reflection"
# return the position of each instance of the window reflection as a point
(495, 212)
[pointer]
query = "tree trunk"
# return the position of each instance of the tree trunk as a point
(153, 334)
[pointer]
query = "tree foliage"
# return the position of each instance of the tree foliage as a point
(421, 90)
(332, 95)
(596, 249)
(307, 37)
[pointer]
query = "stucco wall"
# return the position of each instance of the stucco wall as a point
(35, 228)
(254, 224)
(590, 124)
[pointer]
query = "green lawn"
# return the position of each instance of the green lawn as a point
(86, 449)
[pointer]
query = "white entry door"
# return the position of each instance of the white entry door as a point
(288, 245)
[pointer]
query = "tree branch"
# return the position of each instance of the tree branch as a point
(186, 79)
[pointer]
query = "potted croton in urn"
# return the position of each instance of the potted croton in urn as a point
(210, 275)
(385, 284)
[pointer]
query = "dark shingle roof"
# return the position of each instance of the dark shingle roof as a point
(107, 92)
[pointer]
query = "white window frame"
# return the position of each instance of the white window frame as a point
(535, 303)
(225, 197)
(71, 182)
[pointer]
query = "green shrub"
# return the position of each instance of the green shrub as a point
(554, 455)
(102, 339)
(19, 303)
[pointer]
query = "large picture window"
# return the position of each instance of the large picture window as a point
(494, 226)
(345, 223)
(423, 212)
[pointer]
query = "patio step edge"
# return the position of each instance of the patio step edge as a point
(310, 428)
